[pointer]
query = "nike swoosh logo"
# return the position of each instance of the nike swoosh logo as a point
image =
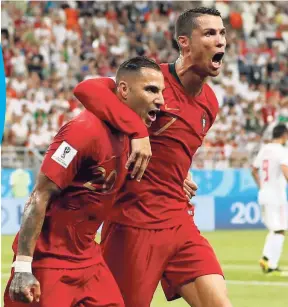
(170, 109)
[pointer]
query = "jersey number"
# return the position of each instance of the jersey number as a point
(104, 181)
(265, 168)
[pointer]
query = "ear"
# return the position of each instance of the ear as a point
(183, 42)
(123, 89)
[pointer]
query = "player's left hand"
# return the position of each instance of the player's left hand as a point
(189, 187)
(140, 156)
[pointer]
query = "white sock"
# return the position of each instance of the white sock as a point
(268, 247)
(278, 241)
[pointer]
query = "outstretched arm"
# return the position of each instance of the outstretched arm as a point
(98, 97)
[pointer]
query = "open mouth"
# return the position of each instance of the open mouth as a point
(217, 59)
(152, 115)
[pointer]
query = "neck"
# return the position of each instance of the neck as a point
(277, 141)
(187, 76)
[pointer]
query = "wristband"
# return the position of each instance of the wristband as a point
(23, 266)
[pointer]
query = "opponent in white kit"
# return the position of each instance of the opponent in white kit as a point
(270, 171)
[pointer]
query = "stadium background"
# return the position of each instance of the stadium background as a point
(48, 47)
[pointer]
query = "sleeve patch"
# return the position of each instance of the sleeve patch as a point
(64, 154)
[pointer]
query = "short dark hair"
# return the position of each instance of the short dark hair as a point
(279, 131)
(186, 22)
(134, 65)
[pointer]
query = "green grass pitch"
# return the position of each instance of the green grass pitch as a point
(238, 252)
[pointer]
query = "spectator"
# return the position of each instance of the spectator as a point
(48, 47)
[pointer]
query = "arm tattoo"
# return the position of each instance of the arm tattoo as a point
(34, 214)
(33, 218)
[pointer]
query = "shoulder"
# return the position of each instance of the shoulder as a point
(283, 151)
(165, 69)
(85, 122)
(84, 128)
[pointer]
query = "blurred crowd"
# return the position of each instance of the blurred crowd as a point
(48, 47)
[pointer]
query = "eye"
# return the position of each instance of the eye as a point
(152, 89)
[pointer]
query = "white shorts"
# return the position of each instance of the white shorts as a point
(275, 216)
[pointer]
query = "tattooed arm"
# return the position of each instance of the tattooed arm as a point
(34, 214)
(24, 286)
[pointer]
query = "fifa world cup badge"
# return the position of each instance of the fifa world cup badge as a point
(203, 120)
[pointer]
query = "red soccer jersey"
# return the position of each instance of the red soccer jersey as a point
(87, 161)
(158, 201)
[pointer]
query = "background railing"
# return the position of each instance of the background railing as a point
(205, 157)
(22, 157)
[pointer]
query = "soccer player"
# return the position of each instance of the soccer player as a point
(270, 171)
(80, 176)
(151, 235)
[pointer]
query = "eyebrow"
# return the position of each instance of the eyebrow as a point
(222, 29)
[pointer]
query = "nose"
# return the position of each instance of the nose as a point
(160, 100)
(221, 41)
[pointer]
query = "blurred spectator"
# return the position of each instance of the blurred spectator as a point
(19, 132)
(48, 47)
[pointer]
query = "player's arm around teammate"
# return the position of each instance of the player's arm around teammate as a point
(200, 34)
(25, 287)
(93, 92)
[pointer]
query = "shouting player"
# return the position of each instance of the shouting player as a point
(151, 236)
(270, 171)
(82, 172)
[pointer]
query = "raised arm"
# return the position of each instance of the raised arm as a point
(97, 96)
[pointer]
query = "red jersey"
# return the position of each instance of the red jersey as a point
(86, 160)
(159, 201)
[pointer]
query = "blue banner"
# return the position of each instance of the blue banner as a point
(225, 199)
(224, 183)
(11, 214)
(242, 212)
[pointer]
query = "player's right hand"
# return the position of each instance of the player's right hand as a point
(140, 156)
(24, 288)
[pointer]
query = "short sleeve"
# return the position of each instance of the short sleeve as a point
(66, 153)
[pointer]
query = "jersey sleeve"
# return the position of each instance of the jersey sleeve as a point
(65, 154)
(97, 96)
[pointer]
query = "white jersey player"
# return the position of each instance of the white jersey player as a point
(270, 171)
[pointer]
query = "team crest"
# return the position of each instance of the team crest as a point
(203, 122)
